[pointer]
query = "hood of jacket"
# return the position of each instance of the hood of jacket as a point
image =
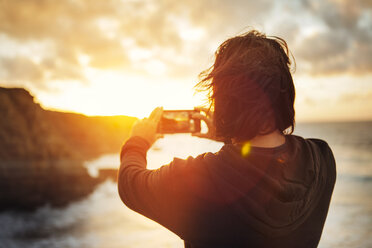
(273, 190)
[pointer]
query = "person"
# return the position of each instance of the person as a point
(265, 188)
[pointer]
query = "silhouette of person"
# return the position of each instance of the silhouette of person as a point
(266, 187)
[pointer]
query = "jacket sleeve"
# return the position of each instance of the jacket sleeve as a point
(133, 176)
(163, 195)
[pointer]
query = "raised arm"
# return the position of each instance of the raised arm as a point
(134, 180)
(162, 195)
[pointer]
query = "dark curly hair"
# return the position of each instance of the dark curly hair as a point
(250, 87)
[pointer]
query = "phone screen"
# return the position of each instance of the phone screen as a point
(178, 121)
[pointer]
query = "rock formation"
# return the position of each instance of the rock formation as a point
(42, 152)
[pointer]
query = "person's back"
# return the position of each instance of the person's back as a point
(265, 187)
(272, 197)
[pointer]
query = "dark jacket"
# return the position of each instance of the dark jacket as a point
(270, 197)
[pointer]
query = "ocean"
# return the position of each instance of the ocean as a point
(101, 220)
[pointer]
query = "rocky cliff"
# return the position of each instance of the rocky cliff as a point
(42, 152)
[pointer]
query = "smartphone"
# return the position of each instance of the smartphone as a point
(178, 121)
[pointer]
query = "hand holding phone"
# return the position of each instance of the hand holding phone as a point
(207, 117)
(179, 121)
(146, 128)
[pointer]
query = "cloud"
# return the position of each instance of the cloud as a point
(70, 27)
(106, 30)
(343, 46)
(363, 97)
(181, 35)
(20, 69)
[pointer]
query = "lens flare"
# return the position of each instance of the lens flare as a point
(246, 149)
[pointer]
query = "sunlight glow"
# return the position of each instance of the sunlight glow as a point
(84, 59)
(155, 67)
(192, 34)
(112, 93)
(136, 53)
(128, 57)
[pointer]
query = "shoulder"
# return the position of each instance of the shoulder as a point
(323, 147)
(319, 148)
(320, 144)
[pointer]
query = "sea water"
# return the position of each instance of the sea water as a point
(101, 220)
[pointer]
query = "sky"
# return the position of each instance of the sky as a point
(125, 57)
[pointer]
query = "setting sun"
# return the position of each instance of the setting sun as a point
(89, 59)
(113, 93)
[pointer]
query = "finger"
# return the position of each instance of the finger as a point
(199, 116)
(203, 109)
(156, 114)
(153, 113)
(204, 118)
(159, 114)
